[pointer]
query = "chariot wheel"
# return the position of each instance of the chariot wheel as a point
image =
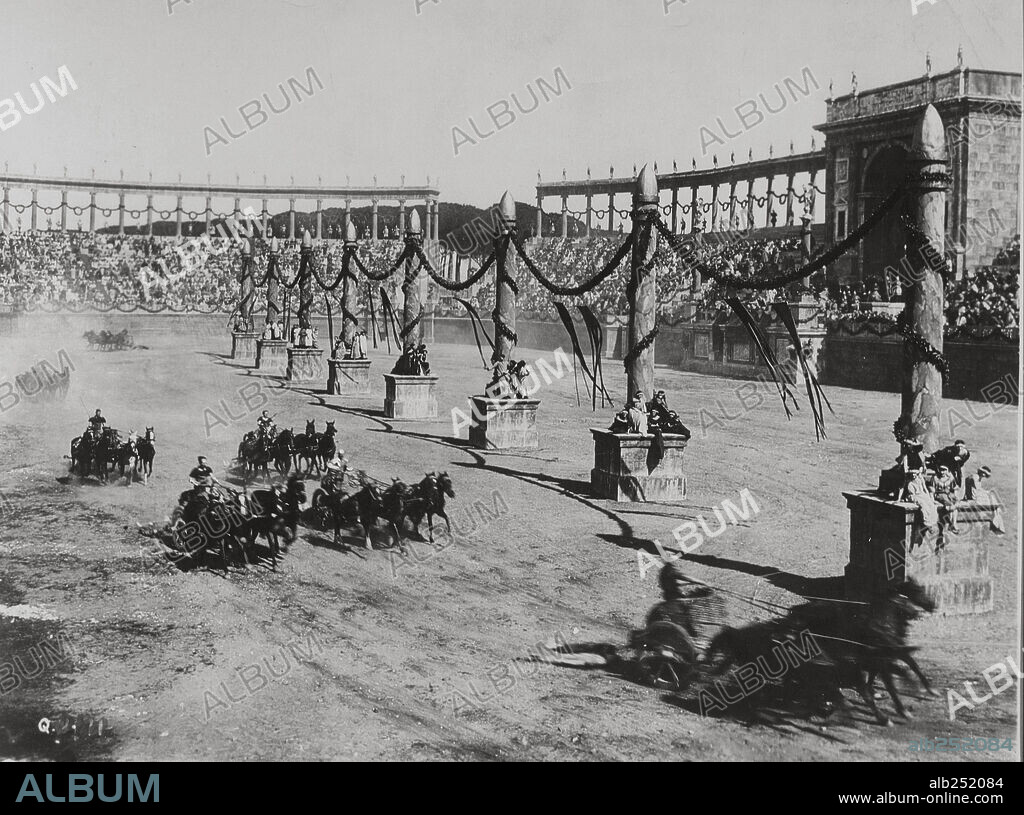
(669, 656)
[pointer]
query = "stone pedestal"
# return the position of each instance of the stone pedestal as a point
(272, 356)
(410, 397)
(504, 424)
(305, 365)
(349, 377)
(243, 345)
(625, 468)
(888, 544)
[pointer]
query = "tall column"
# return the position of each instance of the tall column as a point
(306, 283)
(611, 212)
(319, 219)
(264, 218)
(928, 182)
(273, 286)
(7, 207)
(769, 203)
(590, 211)
(675, 210)
(540, 215)
(714, 208)
(412, 324)
(750, 204)
(401, 217)
(349, 289)
(63, 210)
(643, 300)
(789, 199)
(92, 212)
(209, 213)
(436, 223)
(504, 293)
(373, 229)
(695, 218)
(149, 215)
(348, 214)
(177, 219)
(120, 214)
(427, 218)
(291, 220)
(244, 322)
(565, 216)
(732, 205)
(35, 208)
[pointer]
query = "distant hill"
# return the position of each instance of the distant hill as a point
(464, 228)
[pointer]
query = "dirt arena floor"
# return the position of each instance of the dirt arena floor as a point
(348, 654)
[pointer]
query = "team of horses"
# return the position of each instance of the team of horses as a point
(286, 450)
(100, 454)
(108, 341)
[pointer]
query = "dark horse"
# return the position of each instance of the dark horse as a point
(366, 507)
(316, 448)
(428, 499)
(146, 447)
(283, 450)
(857, 643)
(275, 514)
(255, 453)
(205, 523)
(82, 448)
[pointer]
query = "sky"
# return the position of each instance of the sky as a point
(639, 79)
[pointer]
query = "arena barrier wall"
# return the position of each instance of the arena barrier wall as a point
(861, 361)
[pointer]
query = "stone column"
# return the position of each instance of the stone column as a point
(790, 179)
(374, 234)
(7, 206)
(590, 211)
(401, 217)
(750, 204)
(349, 289)
(643, 290)
(675, 210)
(694, 220)
(306, 283)
(273, 286)
(611, 212)
(319, 219)
(769, 203)
(246, 287)
(92, 212)
(504, 296)
(120, 214)
(732, 205)
(291, 219)
(209, 213)
(149, 215)
(348, 214)
(412, 325)
(64, 211)
(177, 219)
(565, 216)
(264, 218)
(436, 223)
(714, 209)
(922, 381)
(540, 215)
(35, 209)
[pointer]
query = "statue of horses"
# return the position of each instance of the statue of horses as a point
(428, 499)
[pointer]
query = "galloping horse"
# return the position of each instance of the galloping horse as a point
(325, 447)
(82, 448)
(275, 513)
(283, 450)
(428, 499)
(306, 445)
(255, 453)
(126, 456)
(146, 448)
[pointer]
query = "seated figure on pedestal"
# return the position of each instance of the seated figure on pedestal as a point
(947, 495)
(413, 362)
(633, 418)
(667, 421)
(916, 491)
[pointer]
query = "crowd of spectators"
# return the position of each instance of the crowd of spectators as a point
(76, 269)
